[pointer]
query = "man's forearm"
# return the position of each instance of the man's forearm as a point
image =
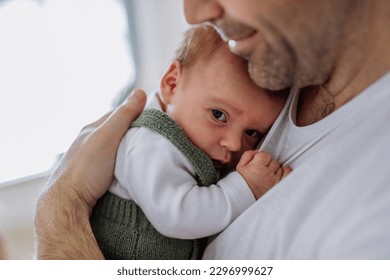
(63, 229)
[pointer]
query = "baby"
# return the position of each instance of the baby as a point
(207, 118)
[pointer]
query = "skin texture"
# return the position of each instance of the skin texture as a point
(221, 122)
(277, 38)
(81, 177)
(304, 43)
(260, 171)
(190, 97)
(341, 45)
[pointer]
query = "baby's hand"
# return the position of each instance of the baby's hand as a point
(260, 171)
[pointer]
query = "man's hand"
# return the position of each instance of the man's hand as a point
(81, 177)
(88, 165)
(260, 171)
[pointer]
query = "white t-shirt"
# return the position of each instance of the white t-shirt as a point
(151, 171)
(336, 202)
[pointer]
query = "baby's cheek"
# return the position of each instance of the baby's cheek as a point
(250, 143)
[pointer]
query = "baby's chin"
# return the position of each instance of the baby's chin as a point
(218, 165)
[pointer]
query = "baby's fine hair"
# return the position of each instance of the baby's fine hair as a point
(199, 42)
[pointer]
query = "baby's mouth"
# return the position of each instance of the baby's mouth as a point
(221, 164)
(218, 165)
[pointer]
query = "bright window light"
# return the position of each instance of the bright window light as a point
(62, 63)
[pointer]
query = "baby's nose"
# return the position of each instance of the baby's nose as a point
(231, 142)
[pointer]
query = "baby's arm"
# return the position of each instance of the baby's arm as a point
(260, 171)
(161, 181)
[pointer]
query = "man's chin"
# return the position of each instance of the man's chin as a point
(266, 80)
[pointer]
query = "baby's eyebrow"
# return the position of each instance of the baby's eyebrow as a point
(230, 108)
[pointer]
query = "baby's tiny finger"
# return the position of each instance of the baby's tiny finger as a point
(262, 158)
(286, 170)
(246, 157)
(274, 165)
(279, 173)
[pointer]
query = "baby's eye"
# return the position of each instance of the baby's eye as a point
(252, 133)
(219, 115)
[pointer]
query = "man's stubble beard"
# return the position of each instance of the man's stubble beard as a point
(272, 70)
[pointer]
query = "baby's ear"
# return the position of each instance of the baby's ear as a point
(169, 81)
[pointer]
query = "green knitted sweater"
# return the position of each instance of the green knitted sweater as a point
(122, 229)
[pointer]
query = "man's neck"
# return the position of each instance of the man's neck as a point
(364, 57)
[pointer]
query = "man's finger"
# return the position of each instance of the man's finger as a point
(101, 120)
(117, 124)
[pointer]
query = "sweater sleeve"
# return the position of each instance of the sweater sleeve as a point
(161, 181)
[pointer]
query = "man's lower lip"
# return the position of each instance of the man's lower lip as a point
(244, 45)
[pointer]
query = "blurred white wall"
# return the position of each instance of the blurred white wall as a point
(160, 25)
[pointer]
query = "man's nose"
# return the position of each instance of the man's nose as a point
(197, 11)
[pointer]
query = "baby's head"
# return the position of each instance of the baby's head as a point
(208, 92)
